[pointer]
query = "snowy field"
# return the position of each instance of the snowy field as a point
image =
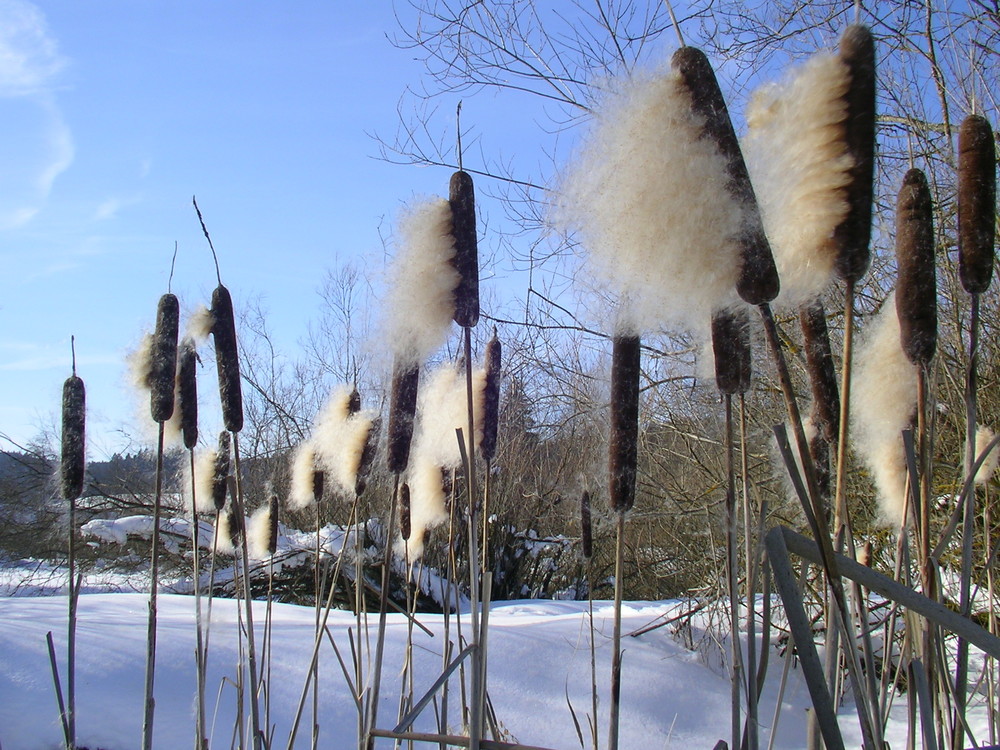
(672, 697)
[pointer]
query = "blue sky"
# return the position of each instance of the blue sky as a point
(113, 114)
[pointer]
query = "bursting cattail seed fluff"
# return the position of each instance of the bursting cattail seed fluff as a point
(304, 468)
(203, 484)
(984, 435)
(340, 437)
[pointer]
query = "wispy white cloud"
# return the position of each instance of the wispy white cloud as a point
(29, 56)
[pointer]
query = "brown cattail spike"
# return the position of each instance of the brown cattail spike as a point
(220, 477)
(367, 457)
(731, 346)
(977, 200)
(462, 197)
(74, 410)
(822, 374)
(916, 288)
(758, 280)
(586, 526)
(623, 444)
(491, 398)
(187, 392)
(227, 359)
(404, 512)
(354, 402)
(163, 359)
(272, 539)
(317, 484)
(853, 235)
(235, 524)
(401, 412)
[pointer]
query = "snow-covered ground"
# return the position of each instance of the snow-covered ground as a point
(672, 696)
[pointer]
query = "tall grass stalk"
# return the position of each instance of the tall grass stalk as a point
(616, 635)
(154, 576)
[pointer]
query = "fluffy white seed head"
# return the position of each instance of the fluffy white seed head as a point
(223, 537)
(984, 435)
(883, 404)
(647, 196)
(304, 465)
(340, 437)
(259, 532)
(201, 487)
(442, 407)
(199, 324)
(421, 281)
(799, 163)
(427, 502)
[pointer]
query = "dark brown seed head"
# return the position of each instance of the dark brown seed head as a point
(822, 374)
(491, 398)
(853, 235)
(977, 200)
(74, 417)
(916, 286)
(623, 443)
(367, 457)
(731, 346)
(402, 409)
(318, 481)
(586, 526)
(404, 511)
(163, 359)
(220, 477)
(227, 359)
(187, 392)
(272, 539)
(235, 526)
(463, 209)
(354, 402)
(758, 280)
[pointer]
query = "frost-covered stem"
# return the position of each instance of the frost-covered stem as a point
(732, 569)
(968, 522)
(248, 598)
(616, 639)
(154, 582)
(74, 591)
(201, 739)
(751, 544)
(383, 608)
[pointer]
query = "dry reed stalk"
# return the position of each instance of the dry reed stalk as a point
(71, 474)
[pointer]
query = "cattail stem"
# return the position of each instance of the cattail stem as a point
(732, 570)
(201, 738)
(752, 552)
(616, 638)
(154, 583)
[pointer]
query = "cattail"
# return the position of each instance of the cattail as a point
(163, 359)
(462, 197)
(853, 234)
(977, 198)
(623, 443)
(491, 397)
(420, 295)
(74, 418)
(227, 359)
(203, 483)
(647, 195)
(731, 346)
(225, 538)
(186, 402)
(916, 289)
(883, 404)
(822, 374)
(307, 480)
(404, 512)
(758, 277)
(984, 436)
(340, 436)
(586, 526)
(220, 479)
(235, 526)
(367, 459)
(442, 407)
(797, 155)
(272, 539)
(428, 497)
(402, 410)
(262, 530)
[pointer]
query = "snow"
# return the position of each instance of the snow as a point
(672, 696)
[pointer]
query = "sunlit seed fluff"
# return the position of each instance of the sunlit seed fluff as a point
(259, 532)
(984, 435)
(420, 288)
(304, 464)
(139, 362)
(201, 487)
(427, 501)
(883, 404)
(648, 197)
(340, 436)
(800, 165)
(442, 408)
(224, 533)
(199, 324)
